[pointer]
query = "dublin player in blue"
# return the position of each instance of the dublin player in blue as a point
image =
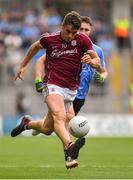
(88, 72)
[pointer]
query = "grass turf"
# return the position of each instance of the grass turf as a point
(42, 158)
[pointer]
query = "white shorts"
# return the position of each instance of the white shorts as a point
(68, 95)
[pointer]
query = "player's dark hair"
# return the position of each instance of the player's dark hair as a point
(73, 18)
(86, 19)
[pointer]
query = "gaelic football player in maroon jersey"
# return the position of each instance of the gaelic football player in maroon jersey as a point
(64, 53)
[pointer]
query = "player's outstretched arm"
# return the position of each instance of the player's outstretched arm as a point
(34, 48)
(39, 66)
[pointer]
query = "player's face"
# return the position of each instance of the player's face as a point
(68, 33)
(85, 28)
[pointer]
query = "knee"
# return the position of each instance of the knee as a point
(48, 133)
(69, 116)
(59, 116)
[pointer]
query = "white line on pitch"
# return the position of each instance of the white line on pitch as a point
(54, 166)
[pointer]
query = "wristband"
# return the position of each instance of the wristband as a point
(38, 81)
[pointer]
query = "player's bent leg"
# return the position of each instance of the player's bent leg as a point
(47, 126)
(45, 131)
(36, 132)
(27, 123)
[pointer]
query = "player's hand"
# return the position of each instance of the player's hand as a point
(95, 63)
(20, 73)
(86, 59)
(98, 78)
(39, 85)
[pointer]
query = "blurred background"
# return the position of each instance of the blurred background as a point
(109, 107)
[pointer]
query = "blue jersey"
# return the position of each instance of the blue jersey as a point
(87, 74)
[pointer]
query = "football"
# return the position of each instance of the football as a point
(79, 126)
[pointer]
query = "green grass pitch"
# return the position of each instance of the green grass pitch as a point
(42, 158)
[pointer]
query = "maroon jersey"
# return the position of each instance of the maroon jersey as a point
(63, 59)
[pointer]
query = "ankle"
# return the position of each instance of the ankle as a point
(26, 126)
(68, 146)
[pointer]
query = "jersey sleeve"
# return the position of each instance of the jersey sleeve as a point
(101, 56)
(86, 43)
(43, 40)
